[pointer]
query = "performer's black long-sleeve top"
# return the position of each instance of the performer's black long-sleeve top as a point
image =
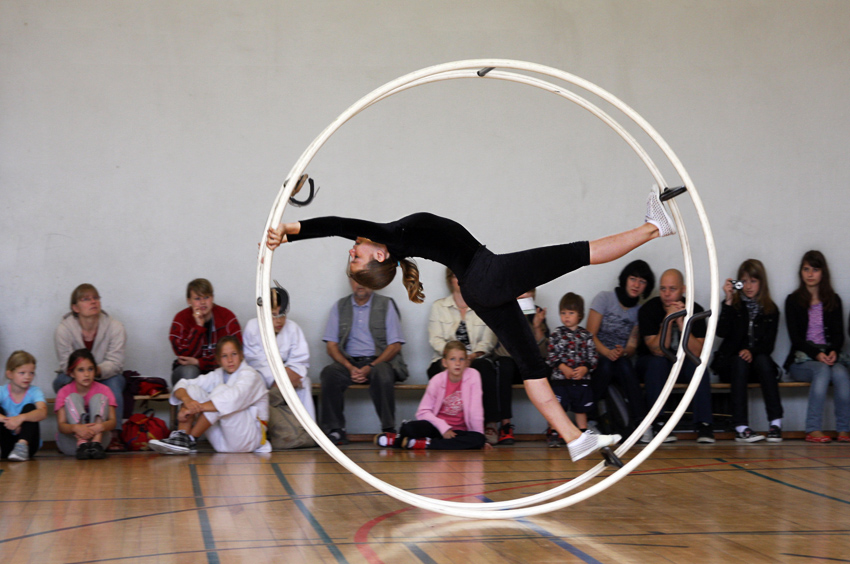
(422, 235)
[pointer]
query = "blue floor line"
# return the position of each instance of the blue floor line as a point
(760, 475)
(419, 553)
(302, 507)
(206, 529)
(557, 540)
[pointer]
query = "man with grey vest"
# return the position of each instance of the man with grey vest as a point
(363, 337)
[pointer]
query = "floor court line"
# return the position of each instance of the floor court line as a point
(555, 539)
(420, 554)
(302, 507)
(786, 484)
(203, 517)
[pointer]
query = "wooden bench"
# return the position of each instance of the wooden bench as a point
(718, 387)
(317, 388)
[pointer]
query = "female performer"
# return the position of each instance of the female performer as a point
(489, 283)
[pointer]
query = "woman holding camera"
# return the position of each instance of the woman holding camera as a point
(748, 324)
(815, 322)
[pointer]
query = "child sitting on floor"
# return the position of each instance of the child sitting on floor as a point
(229, 404)
(22, 406)
(85, 410)
(450, 415)
(572, 356)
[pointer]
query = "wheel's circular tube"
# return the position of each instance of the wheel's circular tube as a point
(539, 503)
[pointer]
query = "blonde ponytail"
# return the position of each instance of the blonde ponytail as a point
(378, 275)
(410, 279)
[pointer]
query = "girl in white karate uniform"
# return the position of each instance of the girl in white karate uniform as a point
(229, 404)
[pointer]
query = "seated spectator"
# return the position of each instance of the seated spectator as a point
(85, 410)
(22, 406)
(293, 351)
(363, 337)
(196, 331)
(87, 326)
(452, 320)
(748, 323)
(655, 367)
(230, 405)
(572, 357)
(450, 415)
(613, 321)
(815, 322)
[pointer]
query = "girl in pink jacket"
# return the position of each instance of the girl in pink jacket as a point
(450, 415)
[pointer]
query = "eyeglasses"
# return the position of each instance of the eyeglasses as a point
(87, 299)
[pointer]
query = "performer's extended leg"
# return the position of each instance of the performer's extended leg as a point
(613, 247)
(580, 444)
(541, 395)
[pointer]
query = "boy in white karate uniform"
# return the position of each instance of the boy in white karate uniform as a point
(229, 404)
(292, 346)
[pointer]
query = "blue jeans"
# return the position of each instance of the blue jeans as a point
(820, 375)
(655, 370)
(116, 384)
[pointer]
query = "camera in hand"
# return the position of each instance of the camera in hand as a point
(737, 285)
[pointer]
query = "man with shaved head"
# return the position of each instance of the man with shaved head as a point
(654, 367)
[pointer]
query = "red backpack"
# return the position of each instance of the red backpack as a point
(141, 428)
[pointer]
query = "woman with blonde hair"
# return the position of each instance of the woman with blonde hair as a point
(87, 326)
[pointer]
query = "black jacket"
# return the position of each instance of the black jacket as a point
(733, 326)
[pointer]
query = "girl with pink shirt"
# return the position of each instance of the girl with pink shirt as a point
(85, 410)
(450, 415)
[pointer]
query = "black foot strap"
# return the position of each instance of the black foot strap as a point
(611, 459)
(670, 193)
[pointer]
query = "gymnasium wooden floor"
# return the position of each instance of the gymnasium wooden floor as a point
(687, 503)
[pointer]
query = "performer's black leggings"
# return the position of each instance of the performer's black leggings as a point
(491, 284)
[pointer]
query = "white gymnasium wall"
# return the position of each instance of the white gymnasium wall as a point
(143, 143)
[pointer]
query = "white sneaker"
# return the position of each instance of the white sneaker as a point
(21, 452)
(647, 437)
(657, 215)
(671, 438)
(588, 443)
(179, 442)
